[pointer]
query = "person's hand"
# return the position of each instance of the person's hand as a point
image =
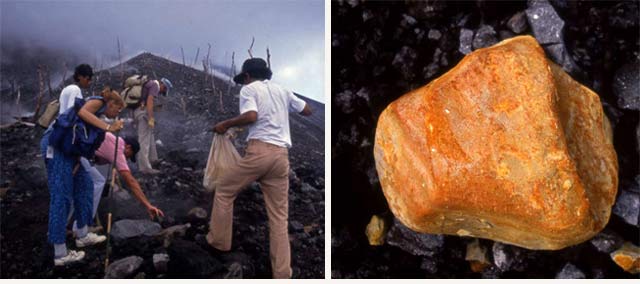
(220, 128)
(154, 212)
(152, 122)
(115, 126)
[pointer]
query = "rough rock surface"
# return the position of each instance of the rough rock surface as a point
(628, 257)
(128, 228)
(570, 271)
(123, 268)
(493, 126)
(628, 207)
(416, 243)
(626, 86)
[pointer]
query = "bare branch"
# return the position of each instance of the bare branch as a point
(253, 39)
(268, 58)
(182, 51)
(197, 53)
(49, 82)
(64, 73)
(120, 59)
(40, 93)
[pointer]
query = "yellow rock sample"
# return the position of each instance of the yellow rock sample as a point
(628, 257)
(376, 230)
(505, 146)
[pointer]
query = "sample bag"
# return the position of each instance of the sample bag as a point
(50, 114)
(222, 157)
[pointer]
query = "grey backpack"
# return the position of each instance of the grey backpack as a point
(132, 92)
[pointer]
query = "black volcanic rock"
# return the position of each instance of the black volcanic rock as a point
(414, 243)
(626, 86)
(188, 260)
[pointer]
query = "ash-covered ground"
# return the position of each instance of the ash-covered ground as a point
(382, 50)
(165, 248)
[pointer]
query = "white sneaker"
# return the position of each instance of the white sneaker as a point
(72, 256)
(90, 239)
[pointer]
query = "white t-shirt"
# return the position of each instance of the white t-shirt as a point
(273, 104)
(68, 97)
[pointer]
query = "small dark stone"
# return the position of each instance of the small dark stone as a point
(558, 53)
(429, 264)
(504, 34)
(296, 226)
(188, 260)
(485, 36)
(627, 207)
(123, 268)
(434, 34)
(569, 271)
(160, 261)
(626, 86)
(466, 41)
(518, 22)
(624, 15)
(508, 257)
(412, 242)
(607, 241)
(404, 62)
(545, 23)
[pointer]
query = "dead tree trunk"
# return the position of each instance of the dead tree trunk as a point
(233, 74)
(197, 53)
(49, 83)
(18, 97)
(64, 74)
(40, 93)
(120, 59)
(253, 39)
(268, 58)
(204, 65)
(182, 51)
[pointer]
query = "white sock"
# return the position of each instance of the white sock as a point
(82, 232)
(59, 250)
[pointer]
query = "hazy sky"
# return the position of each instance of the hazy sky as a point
(293, 31)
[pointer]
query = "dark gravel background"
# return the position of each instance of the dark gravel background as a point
(381, 50)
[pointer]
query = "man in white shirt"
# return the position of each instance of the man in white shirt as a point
(265, 107)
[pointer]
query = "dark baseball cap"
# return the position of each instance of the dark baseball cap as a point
(135, 146)
(251, 64)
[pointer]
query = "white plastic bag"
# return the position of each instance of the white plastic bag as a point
(222, 156)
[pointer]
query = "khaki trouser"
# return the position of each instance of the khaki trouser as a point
(146, 138)
(269, 165)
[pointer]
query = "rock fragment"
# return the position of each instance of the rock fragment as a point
(545, 23)
(626, 86)
(188, 260)
(477, 256)
(451, 155)
(627, 207)
(466, 41)
(414, 243)
(376, 230)
(628, 257)
(518, 22)
(123, 268)
(570, 271)
(198, 213)
(607, 241)
(160, 261)
(484, 36)
(128, 228)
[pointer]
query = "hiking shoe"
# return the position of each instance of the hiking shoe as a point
(89, 240)
(72, 256)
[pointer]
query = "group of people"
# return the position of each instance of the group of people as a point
(75, 185)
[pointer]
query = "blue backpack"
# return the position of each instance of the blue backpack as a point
(75, 137)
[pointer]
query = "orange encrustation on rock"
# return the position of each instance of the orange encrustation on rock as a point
(505, 146)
